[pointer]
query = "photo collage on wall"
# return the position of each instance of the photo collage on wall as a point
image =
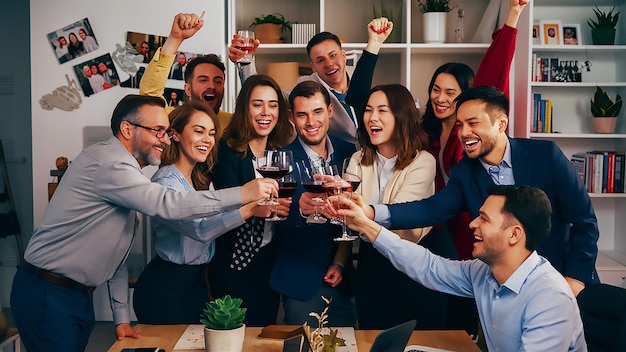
(100, 73)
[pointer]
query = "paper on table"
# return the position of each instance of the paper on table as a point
(418, 348)
(192, 338)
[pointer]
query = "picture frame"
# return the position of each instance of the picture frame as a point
(571, 34)
(73, 40)
(537, 33)
(552, 32)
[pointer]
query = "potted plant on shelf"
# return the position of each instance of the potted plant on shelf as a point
(604, 111)
(269, 28)
(603, 28)
(435, 12)
(224, 329)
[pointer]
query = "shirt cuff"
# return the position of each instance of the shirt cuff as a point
(382, 215)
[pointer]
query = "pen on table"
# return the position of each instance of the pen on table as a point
(157, 349)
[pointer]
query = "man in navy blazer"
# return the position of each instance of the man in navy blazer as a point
(491, 157)
(308, 263)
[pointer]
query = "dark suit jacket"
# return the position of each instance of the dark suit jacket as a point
(304, 252)
(571, 246)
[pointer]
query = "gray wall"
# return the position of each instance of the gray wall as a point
(15, 133)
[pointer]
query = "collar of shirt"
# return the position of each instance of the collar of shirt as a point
(502, 174)
(519, 276)
(314, 156)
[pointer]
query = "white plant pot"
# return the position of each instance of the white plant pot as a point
(435, 27)
(224, 340)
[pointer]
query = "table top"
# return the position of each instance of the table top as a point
(166, 336)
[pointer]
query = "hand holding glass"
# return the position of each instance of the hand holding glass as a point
(307, 177)
(274, 164)
(248, 45)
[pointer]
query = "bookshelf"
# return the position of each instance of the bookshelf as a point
(571, 116)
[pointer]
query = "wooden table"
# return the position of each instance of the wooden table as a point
(166, 336)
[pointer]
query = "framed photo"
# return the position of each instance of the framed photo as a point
(552, 32)
(537, 33)
(74, 40)
(571, 34)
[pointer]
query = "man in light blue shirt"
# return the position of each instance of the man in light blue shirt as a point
(523, 302)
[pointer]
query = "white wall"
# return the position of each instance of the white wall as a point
(60, 133)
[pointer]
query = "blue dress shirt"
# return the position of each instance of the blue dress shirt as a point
(188, 241)
(534, 310)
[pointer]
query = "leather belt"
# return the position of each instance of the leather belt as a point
(53, 278)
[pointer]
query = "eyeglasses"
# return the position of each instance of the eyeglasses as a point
(160, 132)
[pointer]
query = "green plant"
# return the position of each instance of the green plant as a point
(603, 106)
(434, 6)
(604, 19)
(274, 18)
(223, 314)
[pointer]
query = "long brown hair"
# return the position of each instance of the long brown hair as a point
(240, 130)
(408, 136)
(179, 118)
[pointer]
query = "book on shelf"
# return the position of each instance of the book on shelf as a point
(542, 114)
(601, 171)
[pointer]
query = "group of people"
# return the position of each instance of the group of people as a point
(98, 77)
(76, 47)
(450, 185)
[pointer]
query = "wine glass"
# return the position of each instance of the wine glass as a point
(286, 188)
(351, 173)
(274, 164)
(312, 184)
(335, 189)
(248, 45)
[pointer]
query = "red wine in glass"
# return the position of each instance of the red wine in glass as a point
(314, 187)
(273, 172)
(286, 189)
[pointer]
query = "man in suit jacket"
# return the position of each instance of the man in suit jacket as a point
(492, 157)
(308, 263)
(328, 61)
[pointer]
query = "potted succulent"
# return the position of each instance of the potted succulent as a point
(224, 330)
(269, 28)
(605, 111)
(603, 28)
(435, 12)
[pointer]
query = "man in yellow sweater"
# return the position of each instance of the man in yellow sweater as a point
(204, 75)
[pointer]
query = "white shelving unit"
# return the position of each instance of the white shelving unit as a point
(571, 117)
(408, 61)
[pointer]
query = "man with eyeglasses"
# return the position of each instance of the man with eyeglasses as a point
(88, 229)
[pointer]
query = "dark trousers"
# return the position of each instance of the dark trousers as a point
(168, 293)
(51, 317)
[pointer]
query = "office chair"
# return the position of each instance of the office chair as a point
(603, 312)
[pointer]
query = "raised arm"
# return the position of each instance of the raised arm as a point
(184, 26)
(496, 64)
(378, 30)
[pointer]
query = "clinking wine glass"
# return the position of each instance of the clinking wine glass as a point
(286, 188)
(310, 184)
(248, 45)
(274, 164)
(335, 189)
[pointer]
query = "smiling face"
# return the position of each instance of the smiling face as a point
(328, 60)
(144, 48)
(87, 71)
(146, 147)
(481, 137)
(263, 110)
(197, 138)
(82, 34)
(380, 123)
(102, 67)
(207, 85)
(490, 231)
(445, 89)
(311, 118)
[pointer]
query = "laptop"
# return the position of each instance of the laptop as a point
(394, 339)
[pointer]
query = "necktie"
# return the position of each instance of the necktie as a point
(247, 242)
